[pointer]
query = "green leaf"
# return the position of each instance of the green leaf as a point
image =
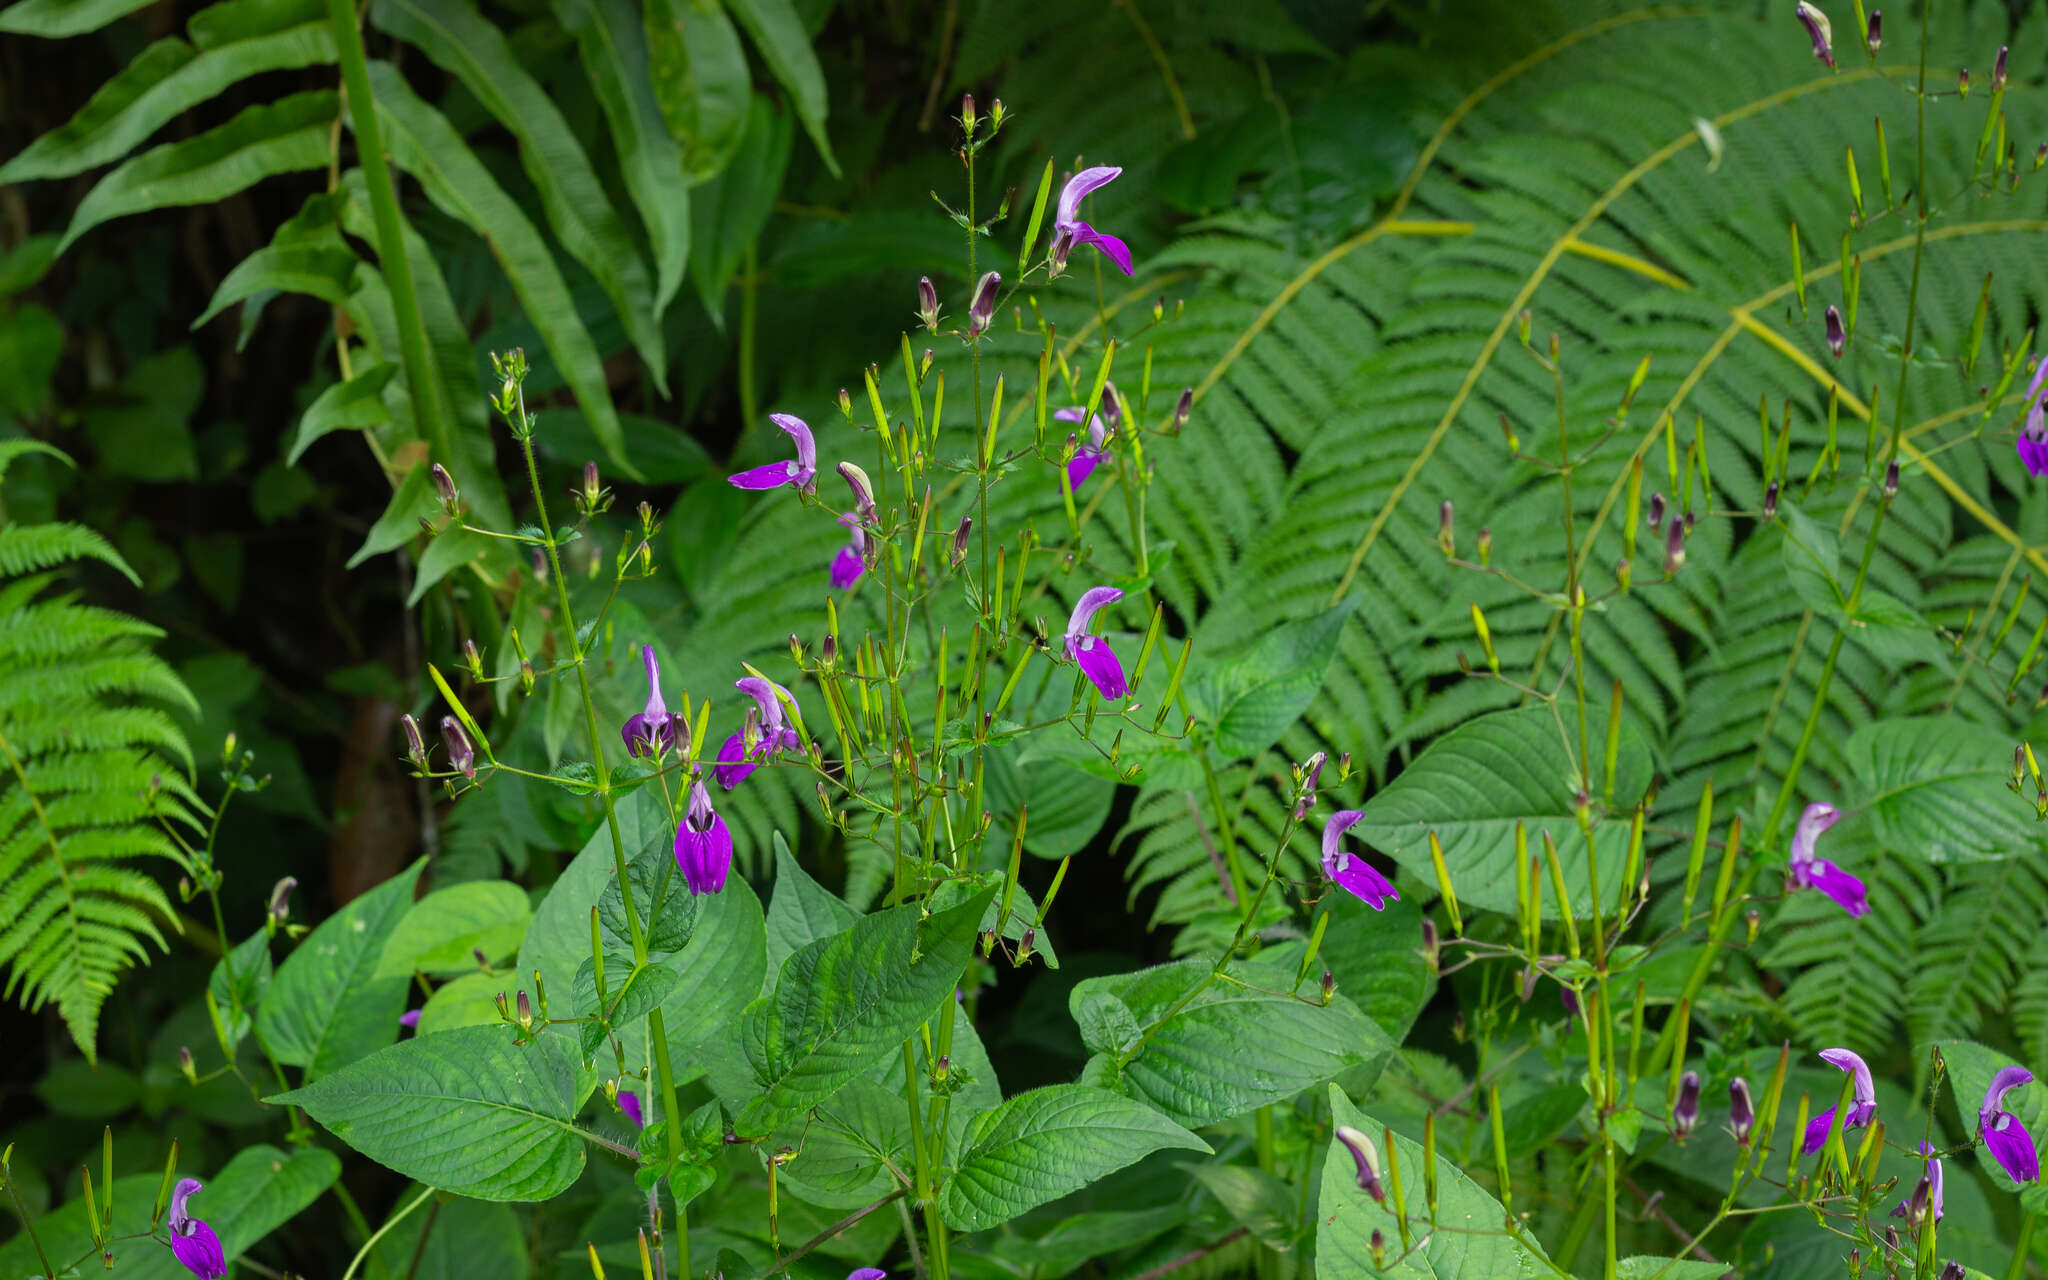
(346, 406)
(322, 271)
(467, 1111)
(1473, 785)
(400, 523)
(442, 932)
(1935, 788)
(1643, 1267)
(85, 1091)
(1195, 1066)
(846, 1147)
(327, 1006)
(450, 550)
(467, 46)
(246, 1199)
(425, 145)
(469, 1001)
(237, 39)
(1041, 1145)
(842, 1005)
(729, 211)
(142, 426)
(630, 995)
(701, 80)
(31, 347)
(801, 910)
(260, 142)
(1067, 806)
(785, 46)
(611, 40)
(57, 18)
(1540, 1117)
(1468, 1243)
(1254, 700)
(239, 999)
(1256, 1200)
(1812, 556)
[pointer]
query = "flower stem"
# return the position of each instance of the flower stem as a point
(379, 1234)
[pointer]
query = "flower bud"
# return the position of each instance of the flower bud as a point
(960, 536)
(1529, 977)
(1446, 540)
(427, 527)
(828, 650)
(928, 303)
(415, 748)
(1953, 1271)
(590, 497)
(444, 485)
(1875, 35)
(461, 756)
(2041, 155)
(982, 309)
(281, 897)
(1379, 1250)
(1430, 950)
(845, 405)
(863, 492)
(1329, 986)
(1514, 441)
(1770, 501)
(967, 116)
(1485, 546)
(525, 676)
(1685, 1112)
(1891, 479)
(1741, 1112)
(1182, 408)
(1963, 82)
(1688, 524)
(1656, 516)
(1818, 31)
(1838, 338)
(1367, 1158)
(1998, 70)
(472, 661)
(1112, 407)
(504, 1011)
(1674, 548)
(525, 1018)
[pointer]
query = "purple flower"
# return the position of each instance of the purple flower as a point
(1741, 1111)
(1810, 872)
(1926, 1197)
(703, 845)
(653, 730)
(192, 1241)
(981, 308)
(461, 755)
(629, 1102)
(1353, 874)
(2033, 440)
(1685, 1112)
(1092, 652)
(774, 475)
(852, 561)
(1860, 1111)
(1818, 31)
(1070, 233)
(1368, 1159)
(867, 1273)
(410, 1019)
(2004, 1136)
(1090, 455)
(734, 762)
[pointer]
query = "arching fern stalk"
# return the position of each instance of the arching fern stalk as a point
(85, 771)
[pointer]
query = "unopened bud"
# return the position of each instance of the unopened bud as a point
(960, 536)
(281, 899)
(1367, 1159)
(472, 660)
(1891, 479)
(1485, 546)
(1874, 37)
(525, 1018)
(2041, 155)
(415, 747)
(1329, 986)
(982, 309)
(1741, 1111)
(1112, 407)
(591, 497)
(1689, 517)
(1953, 1271)
(1379, 1250)
(1674, 548)
(504, 1010)
(927, 303)
(185, 1065)
(1998, 70)
(1429, 944)
(1751, 920)
(1621, 574)
(1024, 943)
(461, 756)
(1685, 1112)
(1838, 337)
(427, 527)
(1446, 540)
(1656, 516)
(845, 404)
(1182, 408)
(525, 676)
(444, 485)
(828, 650)
(1514, 441)
(1963, 82)
(1818, 31)
(967, 116)
(863, 492)
(1770, 501)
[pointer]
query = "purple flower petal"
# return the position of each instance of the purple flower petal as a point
(652, 729)
(1099, 664)
(1852, 1062)
(847, 567)
(733, 766)
(703, 845)
(2009, 1143)
(772, 475)
(1812, 823)
(1817, 1131)
(1092, 600)
(2033, 454)
(867, 1273)
(799, 431)
(1348, 872)
(630, 1104)
(410, 1019)
(2007, 1079)
(1847, 891)
(1080, 467)
(763, 692)
(1112, 248)
(198, 1250)
(1366, 1157)
(1080, 187)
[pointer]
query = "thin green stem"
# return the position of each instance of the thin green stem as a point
(2022, 1249)
(380, 1233)
(391, 256)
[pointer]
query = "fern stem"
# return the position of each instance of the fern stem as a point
(391, 257)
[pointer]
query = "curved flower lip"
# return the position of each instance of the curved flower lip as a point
(1091, 454)
(1070, 233)
(1080, 187)
(2007, 1079)
(1349, 872)
(1811, 872)
(1093, 600)
(764, 692)
(733, 766)
(1367, 1158)
(867, 1273)
(199, 1251)
(774, 475)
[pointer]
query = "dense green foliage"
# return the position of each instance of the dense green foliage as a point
(1010, 979)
